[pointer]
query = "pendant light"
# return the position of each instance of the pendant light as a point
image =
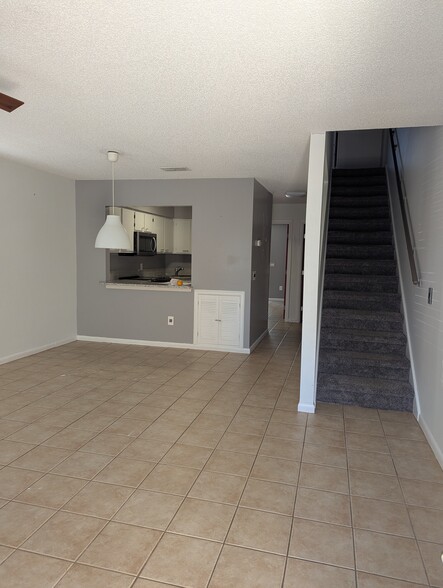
(113, 235)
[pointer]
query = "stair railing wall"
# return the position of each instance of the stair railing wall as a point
(317, 208)
(404, 208)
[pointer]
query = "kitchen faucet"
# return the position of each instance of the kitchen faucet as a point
(178, 269)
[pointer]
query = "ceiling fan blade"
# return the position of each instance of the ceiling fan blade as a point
(8, 103)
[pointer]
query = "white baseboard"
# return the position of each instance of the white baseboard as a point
(257, 341)
(162, 344)
(431, 440)
(306, 408)
(34, 350)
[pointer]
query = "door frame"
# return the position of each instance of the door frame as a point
(289, 223)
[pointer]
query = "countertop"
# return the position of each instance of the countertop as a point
(137, 285)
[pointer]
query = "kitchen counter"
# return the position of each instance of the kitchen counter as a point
(138, 285)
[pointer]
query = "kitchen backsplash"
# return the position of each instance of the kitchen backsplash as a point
(152, 266)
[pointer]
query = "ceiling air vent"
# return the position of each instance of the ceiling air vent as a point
(175, 169)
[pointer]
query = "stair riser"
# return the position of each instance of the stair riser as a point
(338, 224)
(339, 282)
(360, 252)
(363, 346)
(353, 367)
(359, 172)
(360, 324)
(358, 190)
(360, 238)
(360, 267)
(359, 213)
(381, 401)
(366, 303)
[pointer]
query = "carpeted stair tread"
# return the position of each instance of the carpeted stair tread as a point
(360, 251)
(366, 392)
(366, 225)
(358, 212)
(360, 237)
(353, 201)
(356, 283)
(363, 335)
(359, 191)
(361, 300)
(386, 366)
(358, 172)
(378, 320)
(376, 267)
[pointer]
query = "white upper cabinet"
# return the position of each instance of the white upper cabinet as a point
(169, 235)
(128, 222)
(159, 229)
(182, 235)
(139, 223)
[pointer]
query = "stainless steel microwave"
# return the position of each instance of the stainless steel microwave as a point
(144, 244)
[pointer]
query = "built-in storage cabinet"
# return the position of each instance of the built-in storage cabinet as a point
(169, 235)
(182, 235)
(218, 317)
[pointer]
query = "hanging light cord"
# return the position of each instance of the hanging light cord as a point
(113, 194)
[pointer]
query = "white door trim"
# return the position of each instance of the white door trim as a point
(290, 224)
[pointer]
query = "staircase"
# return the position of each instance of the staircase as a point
(362, 345)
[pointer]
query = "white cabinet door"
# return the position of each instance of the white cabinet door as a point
(169, 235)
(128, 223)
(139, 222)
(159, 229)
(219, 319)
(182, 235)
(150, 220)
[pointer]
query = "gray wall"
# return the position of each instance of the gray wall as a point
(262, 220)
(277, 269)
(222, 211)
(365, 148)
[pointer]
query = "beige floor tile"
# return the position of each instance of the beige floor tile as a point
(413, 448)
(142, 583)
(276, 470)
(283, 416)
(19, 521)
(254, 412)
(269, 496)
(82, 465)
(324, 478)
(374, 555)
(427, 524)
(5, 552)
(286, 431)
(376, 486)
(426, 470)
(202, 519)
(187, 456)
(381, 516)
(420, 493)
(307, 574)
(364, 427)
(28, 414)
(201, 437)
(218, 487)
(65, 535)
(378, 463)
(322, 455)
(122, 548)
(34, 433)
(42, 459)
(431, 553)
(170, 479)
(326, 421)
(12, 450)
(9, 427)
(125, 472)
(240, 443)
(358, 412)
(149, 509)
(185, 561)
(127, 427)
(13, 481)
(60, 418)
(403, 430)
(322, 542)
(320, 436)
(51, 491)
(248, 426)
(98, 500)
(260, 530)
(164, 431)
(327, 408)
(371, 581)
(93, 422)
(247, 568)
(70, 439)
(31, 570)
(366, 443)
(281, 448)
(228, 462)
(88, 577)
(106, 444)
(326, 507)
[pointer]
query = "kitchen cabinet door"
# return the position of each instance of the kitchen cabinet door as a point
(159, 229)
(169, 235)
(139, 221)
(219, 319)
(150, 222)
(182, 235)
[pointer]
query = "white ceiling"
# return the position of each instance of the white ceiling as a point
(228, 88)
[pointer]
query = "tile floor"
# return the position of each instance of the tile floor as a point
(151, 467)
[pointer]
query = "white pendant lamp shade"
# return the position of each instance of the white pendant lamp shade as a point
(113, 235)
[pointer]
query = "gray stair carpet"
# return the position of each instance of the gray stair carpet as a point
(362, 357)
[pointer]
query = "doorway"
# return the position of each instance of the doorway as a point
(278, 271)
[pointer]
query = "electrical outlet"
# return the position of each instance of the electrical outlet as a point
(170, 321)
(280, 288)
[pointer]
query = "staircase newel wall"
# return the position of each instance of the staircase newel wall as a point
(318, 192)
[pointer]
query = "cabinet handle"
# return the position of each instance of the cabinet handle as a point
(218, 320)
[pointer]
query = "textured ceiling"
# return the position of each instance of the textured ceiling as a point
(227, 88)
